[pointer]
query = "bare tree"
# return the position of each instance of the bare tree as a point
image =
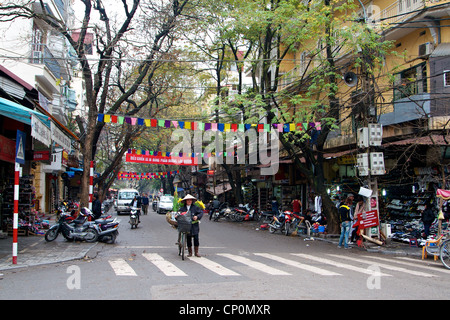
(144, 25)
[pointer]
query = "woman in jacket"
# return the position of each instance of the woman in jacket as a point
(196, 214)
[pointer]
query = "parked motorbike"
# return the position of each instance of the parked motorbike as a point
(106, 226)
(108, 230)
(222, 212)
(76, 230)
(134, 217)
(292, 221)
(245, 213)
(279, 222)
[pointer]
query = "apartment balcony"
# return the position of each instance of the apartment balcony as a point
(397, 12)
(42, 55)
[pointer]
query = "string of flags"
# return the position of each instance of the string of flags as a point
(205, 126)
(126, 175)
(172, 154)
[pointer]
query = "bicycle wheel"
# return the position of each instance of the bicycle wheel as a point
(444, 254)
(182, 245)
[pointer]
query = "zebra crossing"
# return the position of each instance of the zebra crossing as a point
(328, 265)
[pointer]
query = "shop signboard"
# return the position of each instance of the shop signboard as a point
(40, 131)
(41, 155)
(7, 149)
(368, 219)
(60, 138)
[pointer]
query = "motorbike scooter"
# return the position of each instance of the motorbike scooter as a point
(106, 226)
(134, 217)
(77, 230)
(222, 211)
(279, 222)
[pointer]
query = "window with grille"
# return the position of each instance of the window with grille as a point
(411, 81)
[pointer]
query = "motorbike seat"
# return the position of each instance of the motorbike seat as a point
(104, 221)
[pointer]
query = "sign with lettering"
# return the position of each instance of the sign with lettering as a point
(7, 149)
(40, 131)
(177, 161)
(367, 219)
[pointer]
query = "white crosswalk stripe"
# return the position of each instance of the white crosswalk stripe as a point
(215, 267)
(386, 266)
(255, 264)
(122, 268)
(306, 262)
(416, 264)
(339, 264)
(299, 265)
(167, 267)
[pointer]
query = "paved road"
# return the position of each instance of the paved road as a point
(238, 263)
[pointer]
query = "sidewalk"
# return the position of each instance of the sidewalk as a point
(34, 250)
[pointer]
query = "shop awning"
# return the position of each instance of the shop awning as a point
(221, 188)
(20, 113)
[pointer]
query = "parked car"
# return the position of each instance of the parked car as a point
(165, 204)
(124, 197)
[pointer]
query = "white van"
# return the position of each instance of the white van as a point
(124, 198)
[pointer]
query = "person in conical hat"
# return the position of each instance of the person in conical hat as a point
(189, 197)
(196, 214)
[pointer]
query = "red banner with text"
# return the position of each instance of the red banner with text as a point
(175, 161)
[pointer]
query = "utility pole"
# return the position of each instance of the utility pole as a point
(370, 163)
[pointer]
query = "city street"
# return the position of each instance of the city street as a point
(238, 263)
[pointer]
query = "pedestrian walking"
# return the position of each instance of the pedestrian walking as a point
(145, 202)
(196, 215)
(345, 219)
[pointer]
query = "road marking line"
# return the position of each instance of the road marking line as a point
(339, 265)
(122, 268)
(386, 266)
(415, 263)
(299, 265)
(214, 267)
(168, 268)
(254, 264)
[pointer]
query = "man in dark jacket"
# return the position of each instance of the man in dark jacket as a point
(196, 214)
(96, 207)
(428, 217)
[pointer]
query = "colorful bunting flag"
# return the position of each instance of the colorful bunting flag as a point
(193, 125)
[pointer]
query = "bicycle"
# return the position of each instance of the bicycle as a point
(181, 243)
(184, 224)
(444, 251)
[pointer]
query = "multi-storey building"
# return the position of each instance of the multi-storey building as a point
(410, 101)
(39, 56)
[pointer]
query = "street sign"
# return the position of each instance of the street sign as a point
(20, 146)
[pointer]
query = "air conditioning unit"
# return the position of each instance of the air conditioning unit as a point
(425, 49)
